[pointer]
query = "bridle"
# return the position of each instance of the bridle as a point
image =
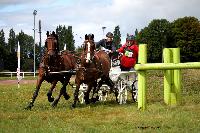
(51, 52)
(50, 44)
(89, 49)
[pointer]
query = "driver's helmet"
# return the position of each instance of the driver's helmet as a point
(130, 38)
(109, 34)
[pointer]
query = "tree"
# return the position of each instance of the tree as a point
(12, 41)
(11, 62)
(3, 51)
(65, 36)
(37, 54)
(8, 53)
(117, 37)
(136, 35)
(2, 57)
(2, 38)
(60, 31)
(157, 35)
(26, 45)
(70, 39)
(187, 36)
(136, 32)
(79, 50)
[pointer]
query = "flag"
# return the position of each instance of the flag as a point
(18, 66)
(65, 47)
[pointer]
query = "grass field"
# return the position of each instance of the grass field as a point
(102, 117)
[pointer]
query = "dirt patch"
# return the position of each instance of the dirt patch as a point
(11, 82)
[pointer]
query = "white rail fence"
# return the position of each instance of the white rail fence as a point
(12, 74)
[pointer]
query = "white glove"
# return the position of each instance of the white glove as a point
(106, 50)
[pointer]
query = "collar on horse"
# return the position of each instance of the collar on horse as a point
(49, 66)
(95, 62)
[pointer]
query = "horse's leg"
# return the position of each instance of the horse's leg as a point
(65, 94)
(94, 91)
(87, 94)
(62, 90)
(49, 94)
(35, 94)
(110, 83)
(76, 93)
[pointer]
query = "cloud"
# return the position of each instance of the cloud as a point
(16, 2)
(89, 16)
(12, 2)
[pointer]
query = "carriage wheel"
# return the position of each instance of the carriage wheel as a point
(81, 97)
(103, 93)
(122, 92)
(135, 91)
(82, 90)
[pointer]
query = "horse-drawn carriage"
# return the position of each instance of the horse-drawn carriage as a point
(94, 69)
(125, 81)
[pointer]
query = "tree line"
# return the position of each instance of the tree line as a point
(160, 33)
(183, 33)
(8, 56)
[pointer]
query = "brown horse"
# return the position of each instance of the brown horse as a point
(94, 65)
(51, 63)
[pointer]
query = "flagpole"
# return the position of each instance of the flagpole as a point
(18, 62)
(65, 47)
(34, 14)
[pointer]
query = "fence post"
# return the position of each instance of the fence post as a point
(177, 75)
(142, 59)
(167, 76)
(23, 74)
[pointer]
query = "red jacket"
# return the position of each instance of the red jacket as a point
(130, 55)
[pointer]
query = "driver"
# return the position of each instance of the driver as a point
(130, 53)
(107, 44)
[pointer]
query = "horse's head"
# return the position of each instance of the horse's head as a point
(51, 45)
(89, 48)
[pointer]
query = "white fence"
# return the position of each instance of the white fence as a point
(11, 74)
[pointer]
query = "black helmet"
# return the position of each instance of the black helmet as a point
(130, 37)
(109, 34)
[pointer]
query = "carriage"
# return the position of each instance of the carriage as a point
(56, 67)
(98, 67)
(125, 81)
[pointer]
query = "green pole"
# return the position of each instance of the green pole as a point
(167, 76)
(172, 92)
(142, 59)
(177, 75)
(167, 66)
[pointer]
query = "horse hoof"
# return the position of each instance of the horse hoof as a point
(50, 99)
(54, 104)
(117, 100)
(87, 102)
(28, 107)
(97, 98)
(66, 97)
(93, 100)
(73, 106)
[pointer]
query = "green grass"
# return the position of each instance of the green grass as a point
(106, 117)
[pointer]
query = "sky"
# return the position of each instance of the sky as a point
(89, 16)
